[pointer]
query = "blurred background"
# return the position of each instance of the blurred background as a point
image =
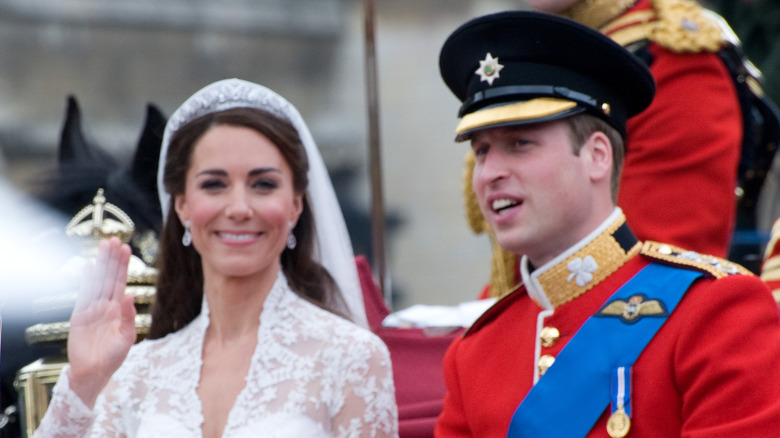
(117, 56)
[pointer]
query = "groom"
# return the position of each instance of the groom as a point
(606, 335)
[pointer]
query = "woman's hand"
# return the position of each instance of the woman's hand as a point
(102, 326)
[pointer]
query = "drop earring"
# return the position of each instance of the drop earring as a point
(291, 240)
(186, 238)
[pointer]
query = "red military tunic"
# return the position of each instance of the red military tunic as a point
(712, 370)
(680, 170)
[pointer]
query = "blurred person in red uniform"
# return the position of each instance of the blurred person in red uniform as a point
(606, 335)
(678, 183)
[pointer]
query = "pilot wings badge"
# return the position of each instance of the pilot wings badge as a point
(637, 307)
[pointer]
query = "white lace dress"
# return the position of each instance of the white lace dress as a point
(312, 374)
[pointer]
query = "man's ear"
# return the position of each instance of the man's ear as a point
(600, 150)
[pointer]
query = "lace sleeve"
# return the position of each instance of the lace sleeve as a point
(368, 393)
(66, 416)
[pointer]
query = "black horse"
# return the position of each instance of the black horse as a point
(83, 168)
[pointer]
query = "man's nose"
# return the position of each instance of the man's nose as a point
(493, 166)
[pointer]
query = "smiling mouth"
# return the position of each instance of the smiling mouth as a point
(242, 237)
(501, 205)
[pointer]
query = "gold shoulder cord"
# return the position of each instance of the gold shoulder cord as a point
(597, 13)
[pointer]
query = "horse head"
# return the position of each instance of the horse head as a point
(83, 168)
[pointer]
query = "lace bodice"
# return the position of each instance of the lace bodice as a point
(312, 374)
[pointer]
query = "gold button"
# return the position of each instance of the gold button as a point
(549, 336)
(665, 249)
(545, 362)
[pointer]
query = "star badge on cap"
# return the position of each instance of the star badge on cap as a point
(488, 69)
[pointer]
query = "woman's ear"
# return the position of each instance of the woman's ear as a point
(181, 207)
(297, 208)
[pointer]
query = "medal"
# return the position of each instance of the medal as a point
(619, 422)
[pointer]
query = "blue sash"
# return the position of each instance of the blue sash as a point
(573, 393)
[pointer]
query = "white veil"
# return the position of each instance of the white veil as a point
(333, 248)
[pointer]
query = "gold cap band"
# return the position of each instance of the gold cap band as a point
(527, 110)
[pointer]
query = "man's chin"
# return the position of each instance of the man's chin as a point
(511, 244)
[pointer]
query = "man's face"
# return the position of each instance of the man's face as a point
(534, 192)
(551, 6)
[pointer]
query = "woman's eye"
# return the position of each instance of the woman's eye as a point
(212, 184)
(266, 184)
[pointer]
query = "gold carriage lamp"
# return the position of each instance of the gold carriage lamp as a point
(89, 226)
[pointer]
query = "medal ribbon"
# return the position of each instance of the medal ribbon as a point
(619, 423)
(577, 386)
(621, 390)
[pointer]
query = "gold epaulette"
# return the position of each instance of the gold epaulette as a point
(714, 266)
(682, 26)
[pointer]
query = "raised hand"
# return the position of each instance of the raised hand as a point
(102, 326)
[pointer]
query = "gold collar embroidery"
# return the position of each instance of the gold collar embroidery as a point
(583, 269)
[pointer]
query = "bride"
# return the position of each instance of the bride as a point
(249, 334)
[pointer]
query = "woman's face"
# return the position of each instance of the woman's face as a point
(240, 202)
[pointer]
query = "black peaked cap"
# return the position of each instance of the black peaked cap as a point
(542, 55)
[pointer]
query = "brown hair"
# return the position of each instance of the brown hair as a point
(180, 280)
(581, 126)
